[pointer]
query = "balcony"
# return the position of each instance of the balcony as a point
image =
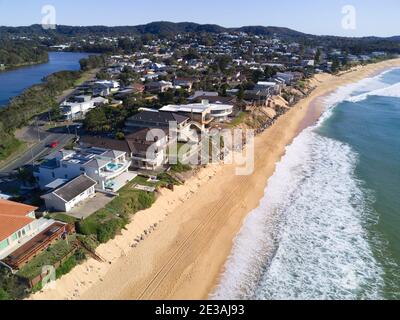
(113, 170)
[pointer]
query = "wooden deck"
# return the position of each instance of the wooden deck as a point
(36, 245)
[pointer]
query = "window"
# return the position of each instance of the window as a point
(4, 244)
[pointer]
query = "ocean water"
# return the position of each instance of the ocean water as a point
(329, 224)
(13, 82)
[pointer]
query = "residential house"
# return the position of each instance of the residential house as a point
(161, 120)
(186, 83)
(79, 106)
(110, 84)
(203, 113)
(70, 194)
(202, 95)
(109, 168)
(159, 86)
(22, 236)
(287, 77)
(273, 88)
(136, 145)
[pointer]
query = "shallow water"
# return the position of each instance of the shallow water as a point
(328, 226)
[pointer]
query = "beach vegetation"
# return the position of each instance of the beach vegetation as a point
(106, 223)
(11, 286)
(50, 257)
(180, 168)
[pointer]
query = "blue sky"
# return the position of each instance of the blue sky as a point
(374, 17)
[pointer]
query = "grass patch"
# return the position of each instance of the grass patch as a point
(143, 181)
(9, 148)
(50, 257)
(179, 168)
(62, 217)
(239, 119)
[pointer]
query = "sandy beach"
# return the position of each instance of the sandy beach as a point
(188, 233)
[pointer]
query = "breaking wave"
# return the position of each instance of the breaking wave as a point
(308, 238)
(391, 91)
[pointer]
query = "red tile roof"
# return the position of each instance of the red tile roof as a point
(13, 217)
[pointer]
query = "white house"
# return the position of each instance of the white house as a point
(271, 87)
(110, 84)
(109, 168)
(70, 194)
(218, 112)
(78, 108)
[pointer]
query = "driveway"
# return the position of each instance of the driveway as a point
(90, 206)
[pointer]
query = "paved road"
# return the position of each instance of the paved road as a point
(38, 151)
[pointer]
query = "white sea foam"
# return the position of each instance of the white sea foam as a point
(388, 91)
(306, 240)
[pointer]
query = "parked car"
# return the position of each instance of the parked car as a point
(54, 144)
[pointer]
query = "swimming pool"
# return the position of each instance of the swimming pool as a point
(114, 166)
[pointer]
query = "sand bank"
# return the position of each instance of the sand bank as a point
(192, 228)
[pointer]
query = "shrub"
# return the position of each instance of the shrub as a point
(87, 227)
(80, 255)
(145, 200)
(4, 295)
(108, 230)
(11, 287)
(66, 267)
(179, 168)
(89, 242)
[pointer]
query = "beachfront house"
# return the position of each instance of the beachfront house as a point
(22, 236)
(273, 88)
(109, 168)
(203, 113)
(70, 194)
(136, 145)
(162, 120)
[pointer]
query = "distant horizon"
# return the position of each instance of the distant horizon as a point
(215, 24)
(371, 18)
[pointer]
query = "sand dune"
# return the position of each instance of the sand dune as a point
(190, 231)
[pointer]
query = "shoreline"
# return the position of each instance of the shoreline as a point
(25, 65)
(183, 257)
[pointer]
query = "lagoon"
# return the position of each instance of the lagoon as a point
(14, 82)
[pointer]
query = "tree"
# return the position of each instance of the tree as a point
(96, 120)
(223, 62)
(269, 72)
(335, 65)
(257, 75)
(318, 56)
(240, 94)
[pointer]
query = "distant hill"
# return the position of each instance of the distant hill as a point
(156, 28)
(356, 45)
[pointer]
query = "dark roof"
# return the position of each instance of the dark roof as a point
(144, 135)
(106, 143)
(74, 188)
(217, 100)
(159, 117)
